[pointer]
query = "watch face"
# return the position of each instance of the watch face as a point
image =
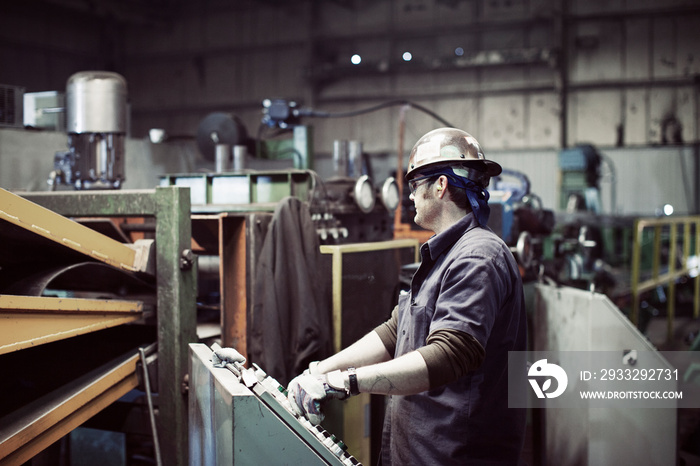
(390, 194)
(364, 194)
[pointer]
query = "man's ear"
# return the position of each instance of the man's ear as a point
(442, 186)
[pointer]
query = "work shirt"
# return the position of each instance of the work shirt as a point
(468, 281)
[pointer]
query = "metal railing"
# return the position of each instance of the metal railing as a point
(668, 235)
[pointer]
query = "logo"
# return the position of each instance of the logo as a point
(542, 368)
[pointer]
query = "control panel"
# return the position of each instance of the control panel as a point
(242, 415)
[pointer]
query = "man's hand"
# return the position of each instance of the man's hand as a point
(307, 393)
(223, 356)
(312, 369)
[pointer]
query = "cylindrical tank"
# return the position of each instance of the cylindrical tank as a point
(96, 121)
(96, 102)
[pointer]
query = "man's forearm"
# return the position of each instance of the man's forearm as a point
(406, 375)
(367, 350)
(376, 371)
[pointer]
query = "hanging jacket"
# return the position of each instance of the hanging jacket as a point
(291, 310)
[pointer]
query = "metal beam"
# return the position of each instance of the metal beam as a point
(41, 221)
(35, 428)
(122, 203)
(177, 319)
(27, 321)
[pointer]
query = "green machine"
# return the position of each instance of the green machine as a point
(580, 174)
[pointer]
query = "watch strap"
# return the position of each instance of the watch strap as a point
(352, 377)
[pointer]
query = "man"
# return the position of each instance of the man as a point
(442, 357)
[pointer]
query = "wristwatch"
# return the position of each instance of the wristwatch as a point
(352, 377)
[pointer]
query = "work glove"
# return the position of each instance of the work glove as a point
(307, 393)
(223, 356)
(312, 369)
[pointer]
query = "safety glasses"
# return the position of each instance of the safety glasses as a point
(414, 183)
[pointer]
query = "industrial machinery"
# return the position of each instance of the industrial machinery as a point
(222, 137)
(580, 177)
(607, 283)
(354, 210)
(586, 246)
(96, 120)
(231, 212)
(349, 207)
(86, 312)
(241, 415)
(518, 217)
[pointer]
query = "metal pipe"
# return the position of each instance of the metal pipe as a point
(562, 75)
(239, 155)
(208, 265)
(223, 158)
(671, 304)
(151, 413)
(399, 164)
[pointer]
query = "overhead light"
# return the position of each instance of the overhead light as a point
(459, 51)
(355, 59)
(407, 56)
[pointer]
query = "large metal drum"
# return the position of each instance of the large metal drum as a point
(96, 102)
(96, 121)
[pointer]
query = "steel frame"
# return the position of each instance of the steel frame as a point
(176, 289)
(673, 273)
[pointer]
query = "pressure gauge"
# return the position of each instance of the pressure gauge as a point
(390, 194)
(364, 194)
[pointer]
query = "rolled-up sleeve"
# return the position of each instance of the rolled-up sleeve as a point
(387, 331)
